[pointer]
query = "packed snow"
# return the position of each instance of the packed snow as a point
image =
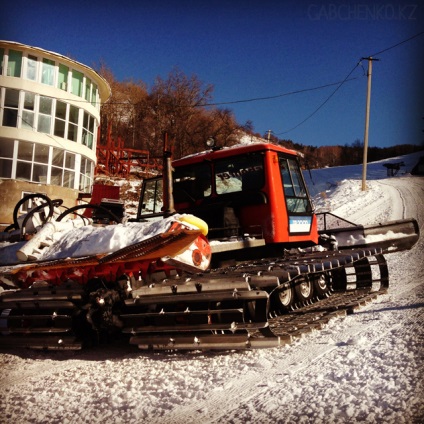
(366, 367)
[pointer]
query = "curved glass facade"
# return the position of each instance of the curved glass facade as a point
(49, 115)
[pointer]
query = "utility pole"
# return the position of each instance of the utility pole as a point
(367, 122)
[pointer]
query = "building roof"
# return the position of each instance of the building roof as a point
(103, 86)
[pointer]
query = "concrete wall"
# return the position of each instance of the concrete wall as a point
(11, 192)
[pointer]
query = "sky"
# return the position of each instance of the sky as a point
(255, 53)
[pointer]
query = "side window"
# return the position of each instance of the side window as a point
(152, 201)
(192, 183)
(294, 187)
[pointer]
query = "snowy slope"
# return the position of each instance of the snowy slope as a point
(367, 367)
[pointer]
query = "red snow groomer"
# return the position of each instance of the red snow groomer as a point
(168, 286)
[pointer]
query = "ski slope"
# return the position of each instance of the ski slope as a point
(367, 367)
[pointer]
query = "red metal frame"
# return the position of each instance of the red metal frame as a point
(114, 159)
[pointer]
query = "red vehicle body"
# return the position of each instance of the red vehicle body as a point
(254, 191)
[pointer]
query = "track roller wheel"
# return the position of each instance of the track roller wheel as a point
(321, 286)
(283, 300)
(304, 290)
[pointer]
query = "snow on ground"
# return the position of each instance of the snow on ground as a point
(367, 367)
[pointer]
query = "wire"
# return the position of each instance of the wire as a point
(397, 44)
(290, 93)
(322, 104)
(273, 97)
(346, 79)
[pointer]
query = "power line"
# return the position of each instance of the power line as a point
(290, 93)
(346, 79)
(397, 44)
(322, 104)
(275, 96)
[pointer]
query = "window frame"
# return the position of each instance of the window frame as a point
(17, 66)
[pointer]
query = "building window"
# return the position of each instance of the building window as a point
(45, 115)
(11, 104)
(86, 175)
(6, 158)
(28, 111)
(41, 160)
(57, 167)
(31, 68)
(14, 64)
(87, 89)
(69, 171)
(63, 168)
(77, 78)
(47, 72)
(24, 163)
(41, 153)
(1, 61)
(88, 130)
(60, 119)
(62, 82)
(32, 163)
(94, 96)
(25, 150)
(73, 123)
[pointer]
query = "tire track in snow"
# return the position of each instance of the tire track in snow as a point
(281, 365)
(412, 191)
(254, 392)
(53, 363)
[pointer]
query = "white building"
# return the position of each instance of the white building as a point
(49, 116)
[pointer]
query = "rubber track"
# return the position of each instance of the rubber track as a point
(307, 318)
(296, 324)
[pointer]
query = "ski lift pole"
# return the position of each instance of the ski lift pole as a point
(367, 122)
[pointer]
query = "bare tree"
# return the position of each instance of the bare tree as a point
(178, 105)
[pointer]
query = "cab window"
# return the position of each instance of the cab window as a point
(192, 183)
(240, 173)
(294, 187)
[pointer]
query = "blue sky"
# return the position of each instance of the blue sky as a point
(253, 49)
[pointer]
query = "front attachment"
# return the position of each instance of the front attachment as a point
(391, 236)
